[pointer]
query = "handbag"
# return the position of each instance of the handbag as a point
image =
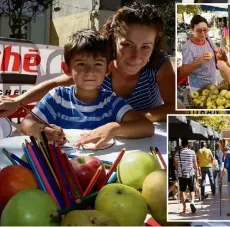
(215, 165)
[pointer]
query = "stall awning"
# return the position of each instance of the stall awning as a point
(213, 8)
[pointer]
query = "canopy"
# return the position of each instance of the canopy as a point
(213, 8)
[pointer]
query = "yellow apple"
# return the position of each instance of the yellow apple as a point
(220, 107)
(216, 92)
(212, 87)
(227, 95)
(203, 98)
(227, 105)
(220, 101)
(213, 97)
(205, 92)
(223, 92)
(195, 94)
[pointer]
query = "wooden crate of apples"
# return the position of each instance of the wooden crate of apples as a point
(140, 188)
(211, 97)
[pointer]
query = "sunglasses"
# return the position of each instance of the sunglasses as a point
(201, 30)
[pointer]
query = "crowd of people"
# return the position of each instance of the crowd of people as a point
(188, 169)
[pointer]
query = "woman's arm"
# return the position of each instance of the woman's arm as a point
(9, 105)
(166, 82)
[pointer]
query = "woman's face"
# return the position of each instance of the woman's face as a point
(200, 31)
(134, 48)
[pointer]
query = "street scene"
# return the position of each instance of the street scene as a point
(191, 45)
(198, 145)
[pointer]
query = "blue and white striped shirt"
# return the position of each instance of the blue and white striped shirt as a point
(146, 94)
(61, 107)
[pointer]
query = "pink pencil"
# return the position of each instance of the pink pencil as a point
(41, 172)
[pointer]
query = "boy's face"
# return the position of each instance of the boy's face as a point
(88, 71)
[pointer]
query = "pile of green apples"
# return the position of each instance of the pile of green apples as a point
(211, 98)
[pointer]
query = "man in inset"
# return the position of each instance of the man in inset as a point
(205, 162)
(186, 164)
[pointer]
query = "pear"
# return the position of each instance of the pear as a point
(88, 218)
(154, 191)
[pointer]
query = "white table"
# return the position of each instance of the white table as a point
(14, 145)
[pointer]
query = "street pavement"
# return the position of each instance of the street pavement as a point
(211, 208)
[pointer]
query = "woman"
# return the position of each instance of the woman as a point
(198, 56)
(140, 71)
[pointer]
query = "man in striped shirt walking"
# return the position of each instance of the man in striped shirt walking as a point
(186, 164)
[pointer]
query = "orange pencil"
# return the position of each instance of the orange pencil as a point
(93, 181)
(113, 167)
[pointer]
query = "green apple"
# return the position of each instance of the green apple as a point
(212, 87)
(209, 99)
(203, 98)
(205, 92)
(88, 218)
(220, 101)
(213, 97)
(195, 94)
(223, 92)
(220, 107)
(227, 105)
(125, 204)
(134, 167)
(155, 193)
(29, 207)
(212, 106)
(216, 92)
(227, 95)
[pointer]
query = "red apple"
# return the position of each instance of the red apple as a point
(13, 179)
(85, 167)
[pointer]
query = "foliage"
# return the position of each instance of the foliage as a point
(21, 12)
(217, 123)
(188, 9)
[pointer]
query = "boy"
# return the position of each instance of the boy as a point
(85, 105)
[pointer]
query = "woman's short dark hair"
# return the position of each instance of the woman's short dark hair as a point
(136, 13)
(87, 41)
(196, 20)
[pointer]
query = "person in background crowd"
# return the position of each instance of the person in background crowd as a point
(218, 154)
(205, 161)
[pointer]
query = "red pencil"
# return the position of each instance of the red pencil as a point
(93, 181)
(58, 174)
(74, 176)
(160, 157)
(113, 167)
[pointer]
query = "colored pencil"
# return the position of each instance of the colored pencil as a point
(69, 178)
(28, 156)
(156, 157)
(19, 160)
(41, 172)
(113, 167)
(48, 162)
(74, 176)
(50, 183)
(161, 158)
(107, 162)
(113, 178)
(57, 169)
(75, 206)
(64, 172)
(93, 181)
(6, 153)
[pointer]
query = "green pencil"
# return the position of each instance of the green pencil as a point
(8, 156)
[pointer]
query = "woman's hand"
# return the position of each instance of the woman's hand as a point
(221, 65)
(8, 106)
(204, 57)
(55, 134)
(99, 136)
(221, 54)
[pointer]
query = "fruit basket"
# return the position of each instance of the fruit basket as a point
(55, 189)
(210, 97)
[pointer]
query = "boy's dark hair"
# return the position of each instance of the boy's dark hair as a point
(89, 42)
(140, 14)
(184, 143)
(196, 20)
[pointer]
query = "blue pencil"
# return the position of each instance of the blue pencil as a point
(112, 178)
(19, 160)
(40, 182)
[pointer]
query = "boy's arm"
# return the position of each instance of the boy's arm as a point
(9, 105)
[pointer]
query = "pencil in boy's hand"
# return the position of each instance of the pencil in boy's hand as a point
(38, 118)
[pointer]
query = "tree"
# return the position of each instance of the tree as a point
(21, 12)
(217, 123)
(188, 9)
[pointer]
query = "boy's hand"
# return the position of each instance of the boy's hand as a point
(99, 136)
(55, 134)
(8, 106)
